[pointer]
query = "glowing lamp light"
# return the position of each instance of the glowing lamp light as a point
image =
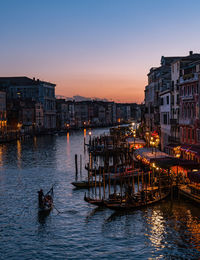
(153, 165)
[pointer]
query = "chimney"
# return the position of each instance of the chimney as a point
(191, 52)
(34, 78)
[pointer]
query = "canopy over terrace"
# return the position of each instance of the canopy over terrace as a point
(169, 162)
(146, 155)
(191, 151)
(135, 142)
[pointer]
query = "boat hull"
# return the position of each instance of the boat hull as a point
(190, 196)
(132, 206)
(85, 184)
(96, 202)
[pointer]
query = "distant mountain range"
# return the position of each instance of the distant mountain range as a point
(81, 98)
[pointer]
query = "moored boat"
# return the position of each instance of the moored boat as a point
(100, 202)
(97, 202)
(135, 203)
(189, 192)
(85, 184)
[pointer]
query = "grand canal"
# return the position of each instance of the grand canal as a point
(168, 230)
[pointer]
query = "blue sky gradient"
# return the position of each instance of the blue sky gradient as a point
(101, 48)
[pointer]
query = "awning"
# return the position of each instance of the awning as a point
(169, 162)
(191, 148)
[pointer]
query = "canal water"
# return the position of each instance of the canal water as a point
(168, 230)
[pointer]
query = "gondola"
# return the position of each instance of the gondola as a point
(96, 202)
(45, 202)
(129, 204)
(85, 184)
(100, 202)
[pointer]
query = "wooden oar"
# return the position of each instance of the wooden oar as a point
(57, 209)
(50, 189)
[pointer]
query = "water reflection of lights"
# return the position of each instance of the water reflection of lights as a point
(35, 141)
(84, 131)
(1, 156)
(68, 144)
(67, 137)
(19, 153)
(193, 226)
(156, 234)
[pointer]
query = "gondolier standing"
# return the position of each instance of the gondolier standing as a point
(40, 198)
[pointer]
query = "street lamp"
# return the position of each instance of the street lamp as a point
(177, 154)
(90, 133)
(151, 143)
(147, 138)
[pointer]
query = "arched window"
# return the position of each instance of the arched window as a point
(193, 114)
(185, 111)
(188, 111)
(192, 90)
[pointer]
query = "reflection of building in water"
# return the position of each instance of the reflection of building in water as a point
(3, 116)
(35, 141)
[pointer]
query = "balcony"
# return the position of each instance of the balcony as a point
(187, 78)
(186, 121)
(187, 97)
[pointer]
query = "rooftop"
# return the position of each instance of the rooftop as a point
(22, 81)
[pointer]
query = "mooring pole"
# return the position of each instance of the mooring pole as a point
(76, 166)
(81, 166)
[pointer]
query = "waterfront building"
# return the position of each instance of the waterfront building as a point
(167, 101)
(39, 117)
(81, 113)
(24, 88)
(151, 110)
(62, 114)
(162, 112)
(3, 114)
(176, 73)
(25, 116)
(123, 112)
(189, 104)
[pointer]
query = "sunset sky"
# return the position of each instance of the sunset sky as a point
(95, 48)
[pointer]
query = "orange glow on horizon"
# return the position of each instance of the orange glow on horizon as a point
(118, 90)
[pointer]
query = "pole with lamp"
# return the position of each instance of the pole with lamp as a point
(134, 135)
(157, 141)
(151, 143)
(147, 138)
(90, 133)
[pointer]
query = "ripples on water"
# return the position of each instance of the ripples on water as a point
(163, 231)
